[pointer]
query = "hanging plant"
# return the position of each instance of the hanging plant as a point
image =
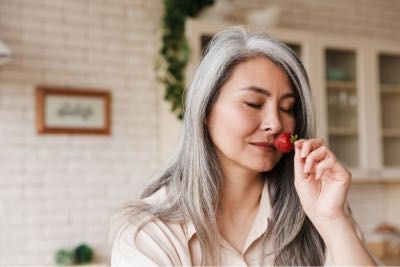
(174, 53)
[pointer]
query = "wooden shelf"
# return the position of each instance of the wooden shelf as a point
(390, 174)
(341, 85)
(391, 133)
(383, 175)
(343, 131)
(390, 88)
(365, 176)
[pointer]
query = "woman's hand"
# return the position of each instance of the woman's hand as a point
(322, 184)
(321, 181)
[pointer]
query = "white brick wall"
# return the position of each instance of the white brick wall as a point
(368, 204)
(59, 190)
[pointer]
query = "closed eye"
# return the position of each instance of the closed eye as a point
(259, 106)
(254, 105)
(290, 110)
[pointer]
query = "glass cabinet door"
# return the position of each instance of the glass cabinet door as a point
(389, 77)
(342, 105)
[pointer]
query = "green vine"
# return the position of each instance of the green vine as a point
(174, 53)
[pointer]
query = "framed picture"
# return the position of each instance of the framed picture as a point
(73, 111)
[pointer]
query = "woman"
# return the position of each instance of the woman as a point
(229, 196)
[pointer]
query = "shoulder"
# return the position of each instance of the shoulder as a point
(151, 241)
(125, 252)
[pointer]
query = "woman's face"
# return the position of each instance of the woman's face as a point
(254, 106)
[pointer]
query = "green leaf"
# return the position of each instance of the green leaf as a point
(175, 50)
(83, 254)
(64, 257)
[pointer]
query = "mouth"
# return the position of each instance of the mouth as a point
(264, 146)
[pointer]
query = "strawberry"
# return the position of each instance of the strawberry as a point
(284, 142)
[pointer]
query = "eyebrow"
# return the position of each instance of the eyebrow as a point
(264, 91)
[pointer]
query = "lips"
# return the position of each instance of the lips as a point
(264, 145)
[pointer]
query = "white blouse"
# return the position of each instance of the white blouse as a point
(160, 244)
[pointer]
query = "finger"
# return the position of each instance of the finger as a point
(299, 142)
(324, 166)
(314, 157)
(310, 145)
(298, 162)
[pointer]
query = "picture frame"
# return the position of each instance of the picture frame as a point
(61, 110)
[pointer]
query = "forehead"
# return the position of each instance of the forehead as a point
(259, 72)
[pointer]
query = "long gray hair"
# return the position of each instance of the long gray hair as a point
(193, 177)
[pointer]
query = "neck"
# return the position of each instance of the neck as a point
(240, 195)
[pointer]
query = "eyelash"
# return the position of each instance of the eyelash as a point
(252, 105)
(258, 106)
(289, 111)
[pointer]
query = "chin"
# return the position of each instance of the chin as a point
(264, 167)
(267, 166)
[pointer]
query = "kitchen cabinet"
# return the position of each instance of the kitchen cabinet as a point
(360, 105)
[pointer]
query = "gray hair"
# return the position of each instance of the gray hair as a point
(194, 178)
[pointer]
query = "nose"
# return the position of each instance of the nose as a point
(271, 122)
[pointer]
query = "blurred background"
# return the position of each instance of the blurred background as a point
(58, 189)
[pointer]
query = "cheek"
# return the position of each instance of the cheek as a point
(289, 124)
(292, 126)
(230, 126)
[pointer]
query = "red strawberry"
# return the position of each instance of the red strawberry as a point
(284, 142)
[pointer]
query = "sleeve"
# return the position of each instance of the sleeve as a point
(126, 251)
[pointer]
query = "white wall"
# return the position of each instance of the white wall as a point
(59, 190)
